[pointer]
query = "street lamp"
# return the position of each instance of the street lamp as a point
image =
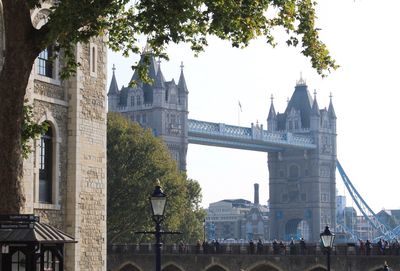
(327, 239)
(158, 201)
(204, 231)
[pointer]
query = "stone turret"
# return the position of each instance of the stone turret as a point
(113, 92)
(332, 115)
(315, 117)
(272, 118)
(182, 89)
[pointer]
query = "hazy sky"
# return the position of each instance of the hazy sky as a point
(362, 36)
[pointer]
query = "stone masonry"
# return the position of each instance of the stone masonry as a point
(76, 112)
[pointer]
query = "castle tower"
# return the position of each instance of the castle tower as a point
(65, 175)
(302, 183)
(161, 106)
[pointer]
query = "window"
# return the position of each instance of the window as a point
(18, 260)
(132, 100)
(45, 167)
(293, 172)
(138, 100)
(45, 62)
(93, 59)
(50, 262)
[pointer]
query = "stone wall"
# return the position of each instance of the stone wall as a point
(139, 258)
(86, 209)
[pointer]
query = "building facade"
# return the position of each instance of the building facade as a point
(161, 106)
(237, 220)
(301, 182)
(65, 176)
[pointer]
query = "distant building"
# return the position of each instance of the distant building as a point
(351, 226)
(237, 219)
(161, 106)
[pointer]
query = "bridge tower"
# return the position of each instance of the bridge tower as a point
(302, 182)
(161, 106)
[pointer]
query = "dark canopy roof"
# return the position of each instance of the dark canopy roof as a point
(28, 229)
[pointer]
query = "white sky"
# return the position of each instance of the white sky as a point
(362, 36)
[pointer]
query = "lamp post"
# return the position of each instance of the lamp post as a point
(158, 201)
(327, 239)
(204, 230)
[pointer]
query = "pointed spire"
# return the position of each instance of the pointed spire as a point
(182, 82)
(272, 113)
(160, 81)
(315, 108)
(331, 110)
(113, 90)
(153, 64)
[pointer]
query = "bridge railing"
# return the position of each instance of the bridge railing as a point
(253, 134)
(265, 249)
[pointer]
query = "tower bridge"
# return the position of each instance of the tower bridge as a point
(254, 138)
(300, 142)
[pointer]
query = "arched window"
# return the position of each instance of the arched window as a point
(18, 261)
(46, 167)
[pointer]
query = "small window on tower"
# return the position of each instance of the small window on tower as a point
(93, 59)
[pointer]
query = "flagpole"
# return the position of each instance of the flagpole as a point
(239, 110)
(238, 116)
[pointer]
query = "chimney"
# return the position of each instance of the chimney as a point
(256, 196)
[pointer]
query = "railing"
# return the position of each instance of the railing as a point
(218, 129)
(246, 249)
(255, 134)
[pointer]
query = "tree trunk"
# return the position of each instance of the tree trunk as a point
(20, 52)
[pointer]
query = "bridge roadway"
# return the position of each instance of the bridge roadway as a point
(240, 257)
(254, 138)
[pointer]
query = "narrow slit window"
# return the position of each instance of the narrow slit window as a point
(46, 167)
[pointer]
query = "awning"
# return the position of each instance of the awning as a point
(25, 229)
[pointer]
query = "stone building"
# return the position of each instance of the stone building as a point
(237, 219)
(161, 106)
(65, 177)
(302, 183)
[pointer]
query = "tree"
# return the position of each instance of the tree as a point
(162, 21)
(135, 159)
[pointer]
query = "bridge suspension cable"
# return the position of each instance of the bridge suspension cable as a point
(363, 206)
